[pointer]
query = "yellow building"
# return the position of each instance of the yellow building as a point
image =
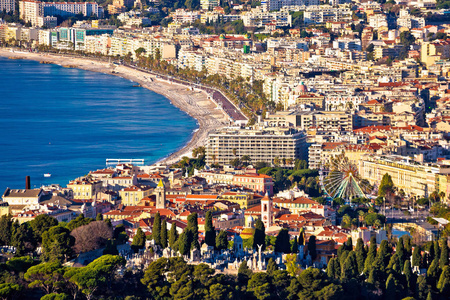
(245, 200)
(85, 188)
(412, 177)
(5, 209)
(134, 194)
(432, 51)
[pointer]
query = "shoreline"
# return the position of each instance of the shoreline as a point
(193, 102)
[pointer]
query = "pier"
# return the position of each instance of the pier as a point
(116, 161)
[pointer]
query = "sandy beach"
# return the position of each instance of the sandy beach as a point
(194, 102)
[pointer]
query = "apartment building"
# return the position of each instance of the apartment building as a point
(261, 145)
(347, 44)
(325, 13)
(433, 51)
(336, 121)
(85, 189)
(271, 5)
(134, 194)
(209, 4)
(413, 178)
(377, 20)
(30, 10)
(257, 17)
(7, 5)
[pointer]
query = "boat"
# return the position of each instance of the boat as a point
(47, 175)
(137, 85)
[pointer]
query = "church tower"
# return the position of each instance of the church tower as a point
(267, 211)
(160, 193)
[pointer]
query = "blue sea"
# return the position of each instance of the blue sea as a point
(67, 122)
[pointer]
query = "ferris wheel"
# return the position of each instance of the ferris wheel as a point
(339, 178)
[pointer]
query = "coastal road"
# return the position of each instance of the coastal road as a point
(227, 105)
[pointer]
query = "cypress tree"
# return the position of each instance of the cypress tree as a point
(409, 276)
(138, 240)
(173, 236)
(444, 281)
(312, 247)
(282, 244)
(294, 246)
(349, 244)
(222, 240)
(210, 232)
(350, 267)
(391, 288)
(183, 243)
(408, 246)
(330, 268)
(437, 249)
(156, 232)
(416, 257)
(360, 255)
(430, 296)
(431, 252)
(384, 253)
(433, 272)
(336, 268)
(192, 226)
(259, 237)
(163, 234)
(301, 237)
(443, 260)
(371, 255)
(400, 251)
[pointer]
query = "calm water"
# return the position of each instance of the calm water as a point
(66, 122)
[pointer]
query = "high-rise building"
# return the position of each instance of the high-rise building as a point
(7, 5)
(270, 145)
(30, 10)
(209, 4)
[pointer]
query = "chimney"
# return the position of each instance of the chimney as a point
(27, 183)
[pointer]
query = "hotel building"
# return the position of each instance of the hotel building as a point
(261, 145)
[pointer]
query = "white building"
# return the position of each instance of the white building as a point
(7, 5)
(378, 20)
(209, 4)
(347, 44)
(271, 5)
(326, 13)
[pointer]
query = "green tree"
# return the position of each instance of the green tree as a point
(99, 217)
(192, 226)
(260, 286)
(156, 230)
(361, 255)
(138, 240)
(47, 276)
(386, 186)
(400, 251)
(154, 279)
(23, 239)
(443, 261)
(183, 243)
(370, 255)
(57, 244)
(433, 272)
(312, 247)
(173, 236)
(417, 257)
(56, 296)
(244, 274)
(349, 268)
(391, 288)
(409, 276)
(282, 241)
(78, 221)
(210, 232)
(294, 248)
(301, 237)
(40, 224)
(5, 229)
(222, 240)
(444, 281)
(259, 237)
(271, 267)
(9, 290)
(164, 241)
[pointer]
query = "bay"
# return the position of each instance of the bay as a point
(67, 122)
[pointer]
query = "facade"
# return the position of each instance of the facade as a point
(134, 194)
(22, 196)
(209, 4)
(412, 177)
(245, 200)
(30, 10)
(262, 145)
(325, 13)
(7, 5)
(259, 183)
(85, 189)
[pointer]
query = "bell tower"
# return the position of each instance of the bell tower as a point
(267, 211)
(160, 193)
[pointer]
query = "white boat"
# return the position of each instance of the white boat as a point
(47, 175)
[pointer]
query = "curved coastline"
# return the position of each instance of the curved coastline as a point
(193, 102)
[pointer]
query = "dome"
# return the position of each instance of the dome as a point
(301, 88)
